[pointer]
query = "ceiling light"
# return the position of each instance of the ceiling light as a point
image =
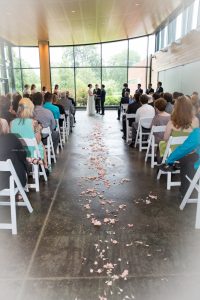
(137, 4)
(73, 11)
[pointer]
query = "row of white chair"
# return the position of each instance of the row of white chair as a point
(151, 153)
(15, 186)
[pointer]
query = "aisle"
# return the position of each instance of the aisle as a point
(102, 228)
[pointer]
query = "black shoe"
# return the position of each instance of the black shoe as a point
(47, 172)
(118, 118)
(123, 137)
(132, 145)
(102, 114)
(121, 130)
(167, 168)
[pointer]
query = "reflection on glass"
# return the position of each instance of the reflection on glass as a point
(32, 76)
(87, 56)
(84, 76)
(114, 78)
(64, 77)
(30, 57)
(136, 75)
(18, 80)
(61, 57)
(138, 52)
(151, 49)
(15, 57)
(115, 53)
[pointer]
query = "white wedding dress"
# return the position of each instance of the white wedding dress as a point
(90, 103)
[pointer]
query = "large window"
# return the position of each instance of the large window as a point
(178, 25)
(26, 67)
(112, 64)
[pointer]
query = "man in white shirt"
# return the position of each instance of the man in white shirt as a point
(145, 111)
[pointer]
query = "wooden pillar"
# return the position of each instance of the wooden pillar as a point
(45, 71)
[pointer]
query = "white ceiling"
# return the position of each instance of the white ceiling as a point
(66, 22)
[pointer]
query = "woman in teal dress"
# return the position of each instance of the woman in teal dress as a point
(24, 126)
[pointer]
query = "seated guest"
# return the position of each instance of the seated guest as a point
(15, 102)
(45, 117)
(33, 89)
(139, 89)
(61, 108)
(189, 156)
(24, 126)
(161, 118)
(195, 103)
(132, 108)
(182, 122)
(159, 89)
(26, 90)
(145, 111)
(48, 99)
(11, 148)
(68, 106)
(150, 90)
(175, 96)
(5, 109)
(73, 102)
(4, 125)
(124, 100)
(125, 89)
(56, 91)
(169, 99)
(44, 90)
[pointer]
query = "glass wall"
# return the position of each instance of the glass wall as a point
(74, 67)
(177, 26)
(112, 64)
(26, 67)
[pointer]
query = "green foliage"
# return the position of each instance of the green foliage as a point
(112, 100)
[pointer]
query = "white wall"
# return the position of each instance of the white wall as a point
(185, 79)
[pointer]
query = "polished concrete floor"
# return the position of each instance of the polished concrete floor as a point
(102, 228)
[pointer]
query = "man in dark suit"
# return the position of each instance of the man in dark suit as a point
(159, 89)
(103, 98)
(132, 108)
(124, 100)
(125, 89)
(150, 90)
(97, 98)
(139, 89)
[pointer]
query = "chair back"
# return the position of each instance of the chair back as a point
(145, 121)
(32, 143)
(173, 140)
(124, 107)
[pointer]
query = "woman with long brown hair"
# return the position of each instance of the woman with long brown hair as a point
(182, 122)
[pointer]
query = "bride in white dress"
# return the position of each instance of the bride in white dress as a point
(90, 102)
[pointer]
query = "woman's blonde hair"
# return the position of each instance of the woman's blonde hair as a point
(182, 114)
(25, 108)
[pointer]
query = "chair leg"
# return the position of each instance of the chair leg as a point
(152, 155)
(13, 207)
(189, 192)
(43, 173)
(169, 179)
(197, 223)
(36, 177)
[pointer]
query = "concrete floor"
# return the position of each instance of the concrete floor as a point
(59, 254)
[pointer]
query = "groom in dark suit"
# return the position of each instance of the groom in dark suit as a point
(103, 98)
(97, 98)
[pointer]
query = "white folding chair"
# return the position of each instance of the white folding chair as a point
(152, 145)
(63, 129)
(173, 141)
(141, 134)
(36, 173)
(60, 138)
(11, 192)
(194, 185)
(124, 109)
(67, 119)
(129, 128)
(49, 146)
